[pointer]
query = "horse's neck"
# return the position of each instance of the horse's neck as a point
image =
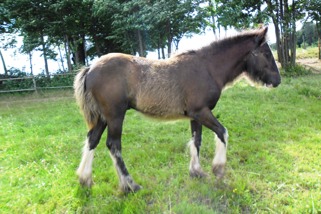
(230, 63)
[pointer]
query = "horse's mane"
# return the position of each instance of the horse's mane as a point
(222, 44)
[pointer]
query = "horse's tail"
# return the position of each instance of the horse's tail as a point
(85, 100)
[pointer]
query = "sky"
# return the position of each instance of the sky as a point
(20, 61)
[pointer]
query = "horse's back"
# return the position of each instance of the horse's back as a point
(149, 86)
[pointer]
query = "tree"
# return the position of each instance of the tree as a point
(33, 19)
(240, 14)
(101, 29)
(5, 27)
(29, 44)
(70, 25)
(142, 25)
(3, 64)
(178, 18)
(284, 14)
(307, 35)
(314, 13)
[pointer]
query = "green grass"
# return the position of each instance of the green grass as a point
(273, 156)
(309, 52)
(301, 53)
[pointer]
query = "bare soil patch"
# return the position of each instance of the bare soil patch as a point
(313, 63)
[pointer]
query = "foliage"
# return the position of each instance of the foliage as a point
(98, 27)
(22, 81)
(241, 14)
(284, 14)
(55, 80)
(273, 156)
(308, 35)
(314, 13)
(313, 8)
(15, 81)
(91, 28)
(138, 26)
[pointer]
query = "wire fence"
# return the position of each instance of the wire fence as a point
(35, 83)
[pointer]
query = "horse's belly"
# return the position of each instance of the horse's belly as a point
(166, 109)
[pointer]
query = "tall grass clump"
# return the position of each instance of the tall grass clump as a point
(295, 71)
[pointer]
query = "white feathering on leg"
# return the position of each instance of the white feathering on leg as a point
(219, 160)
(195, 163)
(220, 151)
(84, 170)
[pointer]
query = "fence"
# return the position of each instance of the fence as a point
(34, 83)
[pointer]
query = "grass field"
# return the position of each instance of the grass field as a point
(274, 156)
(309, 52)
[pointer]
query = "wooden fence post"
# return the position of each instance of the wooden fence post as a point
(34, 83)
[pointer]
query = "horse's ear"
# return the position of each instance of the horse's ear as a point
(260, 38)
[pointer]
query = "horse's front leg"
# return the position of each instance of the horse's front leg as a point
(195, 169)
(206, 118)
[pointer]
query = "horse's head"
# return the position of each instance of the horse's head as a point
(260, 64)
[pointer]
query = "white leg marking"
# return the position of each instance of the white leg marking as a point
(84, 170)
(195, 169)
(126, 182)
(122, 177)
(220, 152)
(195, 162)
(219, 160)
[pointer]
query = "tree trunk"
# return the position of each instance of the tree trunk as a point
(284, 23)
(176, 43)
(293, 34)
(282, 34)
(286, 33)
(4, 64)
(67, 51)
(141, 50)
(169, 47)
(158, 48)
(275, 18)
(169, 39)
(319, 45)
(44, 54)
(318, 25)
(61, 59)
(163, 53)
(30, 61)
(214, 26)
(278, 38)
(80, 51)
(77, 46)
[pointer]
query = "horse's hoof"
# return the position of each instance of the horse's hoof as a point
(197, 174)
(136, 188)
(86, 182)
(133, 188)
(219, 170)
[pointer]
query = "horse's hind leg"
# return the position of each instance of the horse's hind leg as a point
(85, 168)
(195, 169)
(127, 184)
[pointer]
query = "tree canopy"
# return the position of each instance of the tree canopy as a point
(88, 28)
